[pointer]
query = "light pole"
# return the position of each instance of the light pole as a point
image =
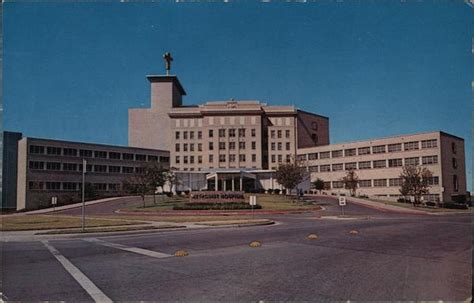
(84, 164)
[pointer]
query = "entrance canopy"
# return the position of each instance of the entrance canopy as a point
(231, 179)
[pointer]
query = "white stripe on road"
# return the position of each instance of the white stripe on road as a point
(141, 251)
(81, 278)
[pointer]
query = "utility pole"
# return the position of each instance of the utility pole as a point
(84, 165)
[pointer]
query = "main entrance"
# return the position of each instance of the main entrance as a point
(237, 180)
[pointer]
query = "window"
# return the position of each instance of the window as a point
(350, 152)
(37, 165)
(211, 133)
(35, 149)
(273, 159)
(191, 159)
(242, 158)
(279, 145)
(140, 157)
(429, 143)
(272, 134)
(314, 125)
(69, 186)
(241, 145)
(191, 147)
(455, 163)
(380, 164)
(70, 152)
(53, 166)
(351, 165)
(176, 147)
(313, 169)
(50, 150)
(185, 135)
(336, 167)
(221, 145)
(101, 154)
(114, 187)
(325, 168)
(411, 145)
(70, 166)
(211, 158)
(191, 135)
(273, 145)
(35, 185)
(379, 149)
(232, 132)
(363, 151)
(254, 145)
(279, 134)
(185, 159)
(365, 165)
(453, 147)
(199, 134)
(53, 185)
(287, 133)
(100, 168)
(221, 133)
(380, 182)
(127, 170)
(337, 184)
(177, 159)
(324, 155)
(153, 158)
(211, 146)
(85, 153)
(433, 180)
(221, 158)
(253, 132)
(242, 132)
(429, 160)
(114, 169)
(280, 158)
(231, 158)
(177, 135)
(455, 183)
(199, 159)
(231, 145)
(185, 147)
(100, 186)
(254, 158)
(395, 182)
(394, 147)
(336, 153)
(327, 185)
(365, 183)
(199, 146)
(287, 145)
(114, 155)
(313, 156)
(395, 162)
(412, 161)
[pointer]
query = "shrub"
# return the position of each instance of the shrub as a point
(431, 204)
(363, 196)
(270, 191)
(276, 191)
(455, 206)
(261, 191)
(169, 194)
(402, 200)
(215, 206)
(460, 199)
(186, 192)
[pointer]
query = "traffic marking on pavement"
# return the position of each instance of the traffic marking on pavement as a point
(353, 232)
(81, 278)
(181, 253)
(312, 237)
(255, 244)
(140, 251)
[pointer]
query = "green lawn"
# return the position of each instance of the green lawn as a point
(267, 201)
(37, 222)
(423, 208)
(181, 219)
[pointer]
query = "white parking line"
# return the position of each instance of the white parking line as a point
(141, 251)
(81, 278)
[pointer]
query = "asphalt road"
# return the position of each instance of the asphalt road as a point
(393, 257)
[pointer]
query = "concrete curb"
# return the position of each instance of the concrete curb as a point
(216, 212)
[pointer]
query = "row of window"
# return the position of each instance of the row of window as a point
(222, 158)
(279, 146)
(379, 149)
(280, 158)
(222, 133)
(87, 153)
(279, 134)
(71, 186)
(75, 167)
(426, 160)
(222, 146)
(392, 182)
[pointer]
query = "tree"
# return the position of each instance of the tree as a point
(318, 184)
(351, 181)
(138, 184)
(156, 176)
(171, 177)
(290, 174)
(415, 182)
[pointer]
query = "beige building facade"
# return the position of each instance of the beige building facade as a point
(378, 164)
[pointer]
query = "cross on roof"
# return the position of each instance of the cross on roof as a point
(167, 57)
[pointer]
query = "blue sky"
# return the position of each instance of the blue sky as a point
(376, 69)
